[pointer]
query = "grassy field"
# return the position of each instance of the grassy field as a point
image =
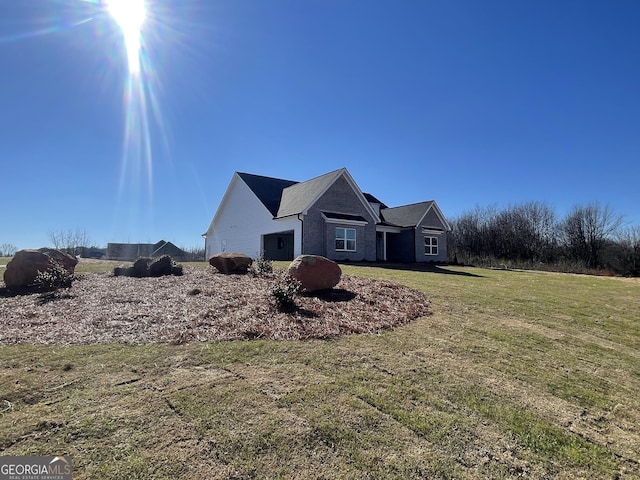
(517, 374)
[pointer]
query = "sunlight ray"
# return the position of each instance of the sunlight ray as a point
(42, 31)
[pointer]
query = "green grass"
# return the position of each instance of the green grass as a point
(516, 374)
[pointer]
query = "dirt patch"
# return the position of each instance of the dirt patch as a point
(200, 306)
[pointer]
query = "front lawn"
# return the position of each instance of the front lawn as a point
(515, 374)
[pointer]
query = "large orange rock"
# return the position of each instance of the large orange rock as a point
(229, 262)
(315, 272)
(23, 268)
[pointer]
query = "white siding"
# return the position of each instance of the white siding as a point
(241, 220)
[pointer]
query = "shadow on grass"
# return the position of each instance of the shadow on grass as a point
(417, 267)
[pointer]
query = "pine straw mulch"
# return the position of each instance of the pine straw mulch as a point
(201, 306)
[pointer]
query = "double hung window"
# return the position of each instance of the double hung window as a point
(345, 239)
(431, 245)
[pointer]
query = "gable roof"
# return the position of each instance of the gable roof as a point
(168, 248)
(412, 215)
(284, 198)
(296, 198)
(267, 189)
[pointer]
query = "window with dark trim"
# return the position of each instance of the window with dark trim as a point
(345, 239)
(431, 245)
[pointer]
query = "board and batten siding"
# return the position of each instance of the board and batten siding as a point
(242, 220)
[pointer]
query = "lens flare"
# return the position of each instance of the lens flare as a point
(131, 21)
(130, 16)
(135, 197)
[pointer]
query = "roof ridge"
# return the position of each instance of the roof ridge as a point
(409, 204)
(266, 177)
(334, 172)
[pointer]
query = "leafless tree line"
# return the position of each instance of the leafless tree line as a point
(589, 237)
(73, 242)
(8, 250)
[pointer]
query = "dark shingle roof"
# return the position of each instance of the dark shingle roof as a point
(168, 248)
(267, 189)
(371, 199)
(296, 198)
(407, 215)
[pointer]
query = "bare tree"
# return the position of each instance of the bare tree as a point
(542, 228)
(587, 229)
(629, 251)
(472, 237)
(195, 253)
(524, 232)
(8, 250)
(73, 242)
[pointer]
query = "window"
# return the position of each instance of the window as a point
(346, 239)
(431, 245)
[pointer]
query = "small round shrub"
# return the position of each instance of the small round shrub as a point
(284, 293)
(54, 277)
(261, 267)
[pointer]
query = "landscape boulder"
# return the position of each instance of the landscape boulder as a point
(141, 267)
(160, 266)
(227, 262)
(149, 267)
(315, 272)
(67, 261)
(123, 271)
(23, 268)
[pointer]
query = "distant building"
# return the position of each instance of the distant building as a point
(130, 252)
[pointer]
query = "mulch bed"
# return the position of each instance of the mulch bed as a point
(201, 306)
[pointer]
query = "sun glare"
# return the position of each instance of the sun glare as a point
(130, 16)
(140, 103)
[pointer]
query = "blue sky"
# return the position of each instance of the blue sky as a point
(467, 102)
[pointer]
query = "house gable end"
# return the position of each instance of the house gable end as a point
(225, 198)
(435, 209)
(301, 197)
(297, 198)
(234, 189)
(414, 215)
(360, 195)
